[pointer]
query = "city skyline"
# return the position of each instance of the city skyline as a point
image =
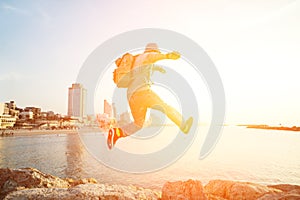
(76, 102)
(44, 44)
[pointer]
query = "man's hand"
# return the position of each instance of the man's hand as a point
(158, 68)
(173, 55)
(162, 70)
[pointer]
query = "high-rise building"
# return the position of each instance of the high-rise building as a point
(114, 110)
(107, 108)
(77, 101)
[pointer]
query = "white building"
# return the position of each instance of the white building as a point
(77, 101)
(6, 121)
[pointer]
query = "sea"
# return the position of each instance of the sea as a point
(240, 154)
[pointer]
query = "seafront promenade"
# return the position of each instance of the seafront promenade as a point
(34, 132)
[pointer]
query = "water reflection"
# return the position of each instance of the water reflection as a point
(260, 156)
(74, 157)
(44, 152)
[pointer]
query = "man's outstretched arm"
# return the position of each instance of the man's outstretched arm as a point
(153, 57)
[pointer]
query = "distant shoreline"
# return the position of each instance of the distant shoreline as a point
(281, 128)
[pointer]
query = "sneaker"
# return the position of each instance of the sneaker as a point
(113, 135)
(187, 125)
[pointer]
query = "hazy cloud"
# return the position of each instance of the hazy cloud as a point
(14, 9)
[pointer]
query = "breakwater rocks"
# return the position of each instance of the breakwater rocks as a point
(29, 183)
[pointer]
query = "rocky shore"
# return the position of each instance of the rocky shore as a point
(29, 183)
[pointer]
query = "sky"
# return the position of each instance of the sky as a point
(255, 47)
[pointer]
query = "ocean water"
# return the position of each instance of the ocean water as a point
(261, 156)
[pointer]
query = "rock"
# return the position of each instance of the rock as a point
(39, 193)
(213, 197)
(13, 179)
(238, 190)
(285, 187)
(115, 191)
(291, 195)
(191, 189)
(29, 183)
(290, 192)
(73, 182)
(86, 191)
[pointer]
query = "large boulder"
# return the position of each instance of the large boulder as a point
(238, 190)
(24, 178)
(86, 191)
(191, 189)
(14, 179)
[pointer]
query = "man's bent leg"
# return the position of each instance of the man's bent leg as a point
(172, 113)
(138, 110)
